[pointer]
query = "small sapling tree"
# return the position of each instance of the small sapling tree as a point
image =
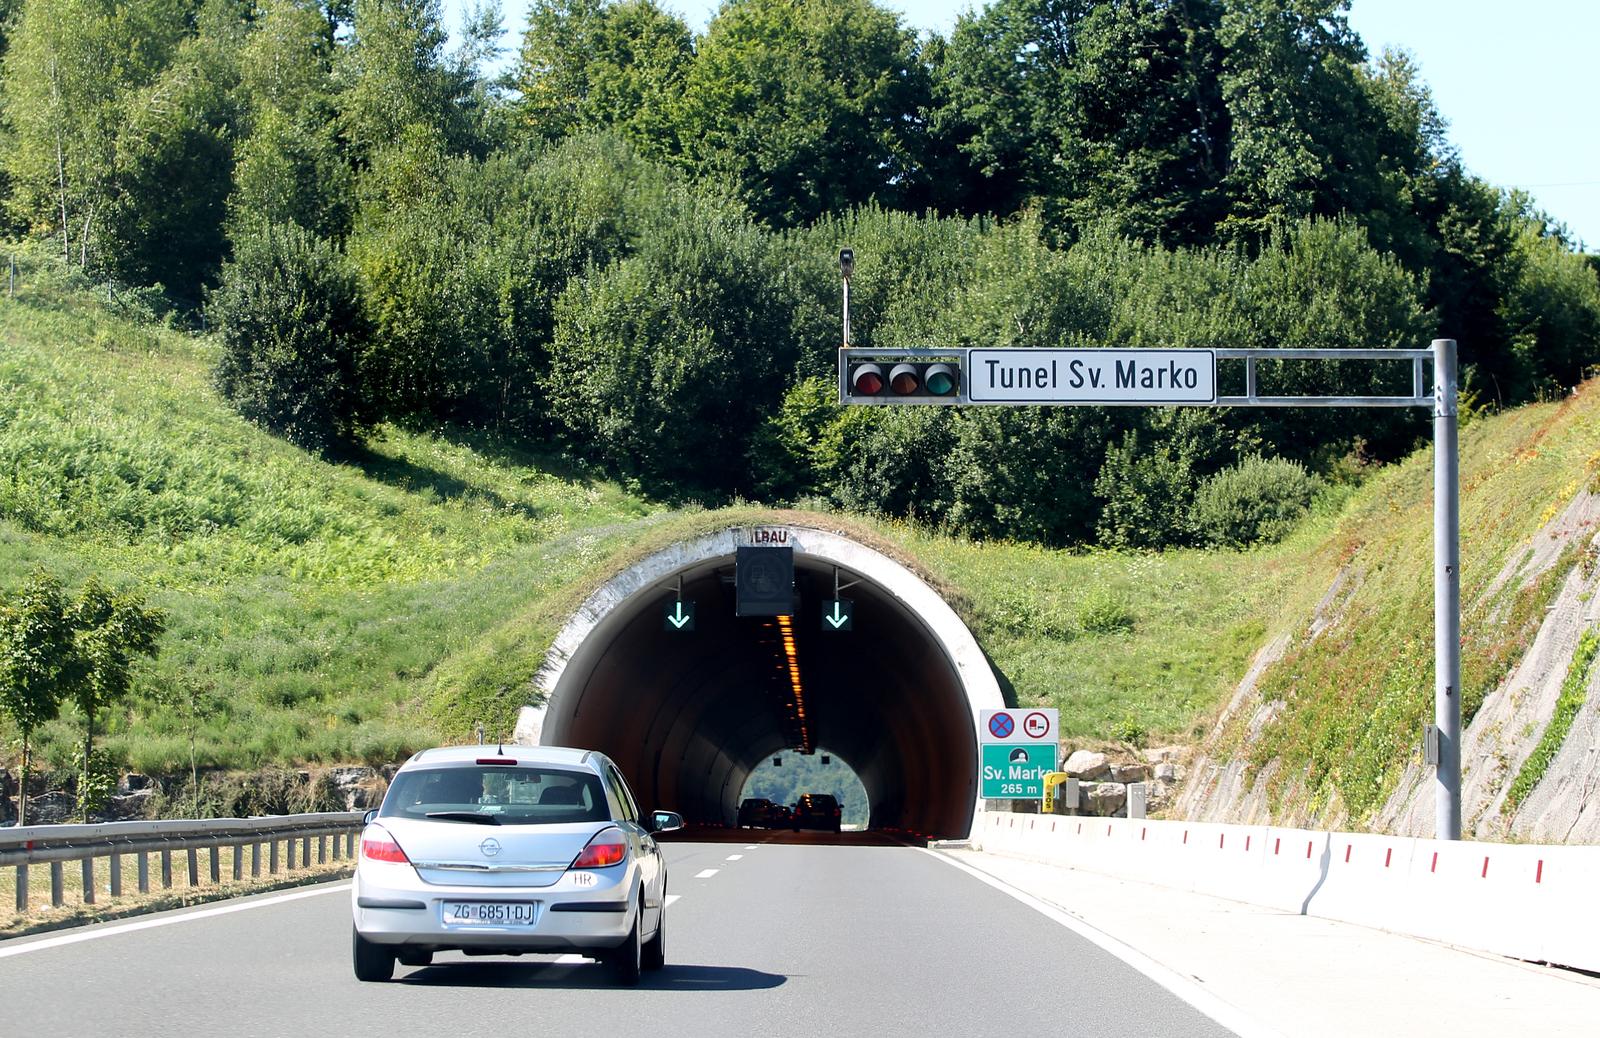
(197, 700)
(38, 662)
(111, 629)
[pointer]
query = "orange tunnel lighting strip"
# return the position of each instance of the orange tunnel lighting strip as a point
(786, 630)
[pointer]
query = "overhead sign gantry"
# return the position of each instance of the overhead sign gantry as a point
(1190, 378)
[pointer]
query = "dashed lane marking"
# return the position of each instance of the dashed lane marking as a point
(673, 897)
(706, 873)
(735, 857)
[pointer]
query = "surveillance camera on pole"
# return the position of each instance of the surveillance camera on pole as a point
(847, 266)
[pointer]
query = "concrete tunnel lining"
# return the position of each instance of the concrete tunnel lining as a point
(683, 714)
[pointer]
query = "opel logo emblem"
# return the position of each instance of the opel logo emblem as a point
(489, 847)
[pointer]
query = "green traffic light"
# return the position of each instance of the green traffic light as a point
(940, 380)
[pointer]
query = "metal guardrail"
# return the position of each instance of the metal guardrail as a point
(57, 844)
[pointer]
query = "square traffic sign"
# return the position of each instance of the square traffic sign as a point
(1016, 771)
(677, 615)
(838, 614)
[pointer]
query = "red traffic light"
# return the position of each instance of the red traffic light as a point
(867, 379)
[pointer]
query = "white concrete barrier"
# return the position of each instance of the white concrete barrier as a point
(1540, 903)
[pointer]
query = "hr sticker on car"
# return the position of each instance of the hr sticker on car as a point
(583, 879)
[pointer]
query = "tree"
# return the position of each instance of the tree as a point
(174, 166)
(38, 663)
(805, 106)
(111, 629)
(198, 702)
(661, 364)
(289, 315)
(289, 165)
(396, 78)
(1300, 116)
(71, 68)
(590, 64)
(1100, 112)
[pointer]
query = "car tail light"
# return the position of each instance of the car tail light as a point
(496, 760)
(378, 845)
(607, 848)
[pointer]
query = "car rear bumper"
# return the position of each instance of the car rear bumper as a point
(565, 920)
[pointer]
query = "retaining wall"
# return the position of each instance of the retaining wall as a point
(1540, 903)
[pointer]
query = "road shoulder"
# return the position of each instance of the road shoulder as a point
(1305, 976)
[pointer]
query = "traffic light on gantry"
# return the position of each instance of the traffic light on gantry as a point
(903, 381)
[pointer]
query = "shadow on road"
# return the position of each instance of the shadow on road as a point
(536, 974)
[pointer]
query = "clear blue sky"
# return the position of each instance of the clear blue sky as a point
(1515, 80)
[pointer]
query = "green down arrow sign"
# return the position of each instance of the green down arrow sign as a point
(679, 615)
(838, 614)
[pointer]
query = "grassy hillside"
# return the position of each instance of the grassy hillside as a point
(318, 598)
(1354, 699)
(354, 611)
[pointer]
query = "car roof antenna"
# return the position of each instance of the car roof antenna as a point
(500, 748)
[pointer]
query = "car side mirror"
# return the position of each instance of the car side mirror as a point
(666, 822)
(367, 818)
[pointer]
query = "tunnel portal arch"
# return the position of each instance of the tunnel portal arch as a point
(688, 715)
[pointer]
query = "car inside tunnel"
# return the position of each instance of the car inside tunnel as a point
(687, 714)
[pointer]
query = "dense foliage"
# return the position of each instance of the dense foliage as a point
(290, 320)
(623, 248)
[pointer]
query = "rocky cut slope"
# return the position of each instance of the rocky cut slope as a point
(1325, 728)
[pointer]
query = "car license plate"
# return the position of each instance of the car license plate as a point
(488, 913)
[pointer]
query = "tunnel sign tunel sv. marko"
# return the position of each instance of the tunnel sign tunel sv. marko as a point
(1091, 376)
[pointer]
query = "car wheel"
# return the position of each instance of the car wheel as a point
(415, 957)
(655, 949)
(628, 959)
(371, 961)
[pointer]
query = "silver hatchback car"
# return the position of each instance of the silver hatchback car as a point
(509, 850)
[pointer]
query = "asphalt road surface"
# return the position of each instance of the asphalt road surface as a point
(770, 934)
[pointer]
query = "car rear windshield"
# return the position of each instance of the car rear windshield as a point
(501, 795)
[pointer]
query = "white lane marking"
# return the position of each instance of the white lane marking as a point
(706, 873)
(149, 924)
(571, 959)
(1224, 1013)
(735, 857)
(673, 897)
(749, 846)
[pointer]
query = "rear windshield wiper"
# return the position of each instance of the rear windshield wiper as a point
(465, 816)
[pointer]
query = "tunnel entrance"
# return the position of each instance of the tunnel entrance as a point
(688, 715)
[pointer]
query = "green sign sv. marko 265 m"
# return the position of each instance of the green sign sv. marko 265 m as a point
(1016, 771)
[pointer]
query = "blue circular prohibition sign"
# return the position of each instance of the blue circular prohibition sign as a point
(1001, 725)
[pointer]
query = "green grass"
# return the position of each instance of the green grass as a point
(1574, 690)
(318, 598)
(353, 611)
